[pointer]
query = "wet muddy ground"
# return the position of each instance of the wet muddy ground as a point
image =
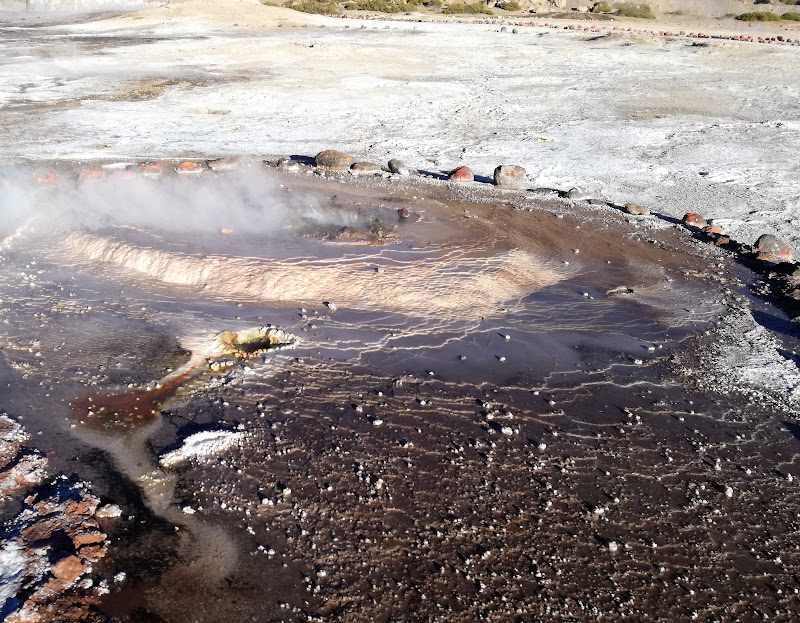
(492, 411)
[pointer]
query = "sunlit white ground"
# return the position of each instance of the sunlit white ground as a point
(662, 122)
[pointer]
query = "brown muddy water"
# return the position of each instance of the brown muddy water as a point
(482, 414)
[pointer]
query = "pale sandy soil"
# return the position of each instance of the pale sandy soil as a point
(631, 117)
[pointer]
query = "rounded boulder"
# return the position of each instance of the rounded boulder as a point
(772, 248)
(461, 175)
(636, 209)
(399, 167)
(332, 159)
(509, 176)
(692, 219)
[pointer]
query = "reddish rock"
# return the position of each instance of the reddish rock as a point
(90, 173)
(150, 169)
(461, 175)
(693, 219)
(68, 569)
(45, 178)
(713, 230)
(189, 166)
(93, 553)
(772, 249)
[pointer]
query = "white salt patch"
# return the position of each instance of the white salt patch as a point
(12, 571)
(202, 445)
(745, 357)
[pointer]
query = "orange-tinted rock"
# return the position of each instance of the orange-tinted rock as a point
(90, 173)
(772, 249)
(87, 538)
(68, 569)
(712, 230)
(93, 553)
(82, 507)
(45, 178)
(150, 169)
(188, 166)
(693, 219)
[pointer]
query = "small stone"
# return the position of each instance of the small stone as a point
(772, 248)
(149, 169)
(88, 538)
(461, 175)
(509, 176)
(692, 219)
(189, 167)
(399, 167)
(329, 305)
(287, 164)
(332, 159)
(712, 230)
(578, 194)
(403, 213)
(228, 163)
(108, 511)
(45, 178)
(636, 209)
(90, 173)
(364, 168)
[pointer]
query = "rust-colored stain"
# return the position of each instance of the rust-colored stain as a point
(102, 410)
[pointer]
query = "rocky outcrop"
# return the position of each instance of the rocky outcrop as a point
(48, 545)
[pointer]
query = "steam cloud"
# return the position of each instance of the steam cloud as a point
(247, 201)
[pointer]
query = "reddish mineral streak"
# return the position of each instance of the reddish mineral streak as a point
(127, 409)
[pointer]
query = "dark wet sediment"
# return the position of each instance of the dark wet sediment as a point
(519, 451)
